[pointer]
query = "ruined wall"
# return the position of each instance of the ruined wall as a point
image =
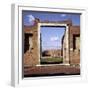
(65, 45)
(74, 53)
(70, 55)
(31, 57)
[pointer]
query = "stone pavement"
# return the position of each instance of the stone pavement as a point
(52, 70)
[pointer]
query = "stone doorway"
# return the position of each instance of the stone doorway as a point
(66, 40)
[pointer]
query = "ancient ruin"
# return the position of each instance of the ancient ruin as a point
(70, 43)
(70, 50)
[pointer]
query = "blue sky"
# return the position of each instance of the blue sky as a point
(51, 36)
(29, 16)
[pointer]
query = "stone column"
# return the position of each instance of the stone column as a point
(66, 47)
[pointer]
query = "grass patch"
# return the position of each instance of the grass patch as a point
(51, 60)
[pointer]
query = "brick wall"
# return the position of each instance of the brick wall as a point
(74, 53)
(31, 57)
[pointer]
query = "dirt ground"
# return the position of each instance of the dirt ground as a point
(54, 70)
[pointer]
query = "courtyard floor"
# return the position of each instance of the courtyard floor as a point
(51, 70)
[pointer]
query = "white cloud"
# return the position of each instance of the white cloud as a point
(55, 38)
(63, 15)
(31, 18)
